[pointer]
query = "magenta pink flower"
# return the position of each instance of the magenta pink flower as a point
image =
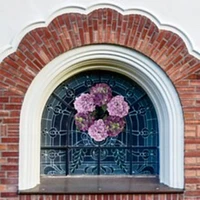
(102, 94)
(117, 106)
(99, 113)
(83, 121)
(98, 130)
(115, 125)
(84, 103)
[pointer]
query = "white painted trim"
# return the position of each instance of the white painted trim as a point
(131, 63)
(12, 47)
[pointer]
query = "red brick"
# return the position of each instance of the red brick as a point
(13, 120)
(9, 194)
(2, 174)
(10, 140)
(12, 174)
(4, 113)
(190, 173)
(10, 154)
(4, 99)
(190, 127)
(189, 115)
(16, 99)
(186, 89)
(190, 96)
(192, 180)
(3, 129)
(11, 188)
(191, 160)
(9, 181)
(189, 108)
(192, 154)
(15, 114)
(193, 193)
(190, 187)
(13, 147)
(12, 160)
(3, 161)
(9, 167)
(192, 141)
(3, 147)
(190, 147)
(2, 188)
(190, 134)
(12, 106)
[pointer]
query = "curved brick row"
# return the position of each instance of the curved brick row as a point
(73, 30)
(69, 31)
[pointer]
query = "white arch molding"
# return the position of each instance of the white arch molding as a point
(128, 62)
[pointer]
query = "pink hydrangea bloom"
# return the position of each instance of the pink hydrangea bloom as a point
(115, 125)
(83, 121)
(102, 94)
(84, 103)
(117, 106)
(98, 130)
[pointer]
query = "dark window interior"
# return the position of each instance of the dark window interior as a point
(68, 151)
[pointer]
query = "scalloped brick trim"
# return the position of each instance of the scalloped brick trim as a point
(73, 30)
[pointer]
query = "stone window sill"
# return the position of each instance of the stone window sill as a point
(100, 185)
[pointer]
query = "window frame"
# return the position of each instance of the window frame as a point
(114, 58)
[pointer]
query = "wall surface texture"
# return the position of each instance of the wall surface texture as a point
(72, 30)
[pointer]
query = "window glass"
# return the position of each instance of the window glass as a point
(65, 150)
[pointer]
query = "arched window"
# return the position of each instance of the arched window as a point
(65, 150)
(134, 67)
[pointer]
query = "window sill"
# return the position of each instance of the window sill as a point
(99, 185)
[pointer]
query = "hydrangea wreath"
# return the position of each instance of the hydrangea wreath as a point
(99, 113)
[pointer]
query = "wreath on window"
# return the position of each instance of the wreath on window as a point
(99, 113)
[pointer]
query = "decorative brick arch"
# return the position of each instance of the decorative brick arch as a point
(102, 26)
(73, 30)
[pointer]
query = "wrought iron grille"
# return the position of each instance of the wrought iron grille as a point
(68, 151)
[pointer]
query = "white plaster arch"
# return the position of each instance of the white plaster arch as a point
(14, 42)
(132, 64)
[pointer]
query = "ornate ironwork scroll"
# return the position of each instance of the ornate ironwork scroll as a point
(68, 151)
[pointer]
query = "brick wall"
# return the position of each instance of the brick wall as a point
(73, 30)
